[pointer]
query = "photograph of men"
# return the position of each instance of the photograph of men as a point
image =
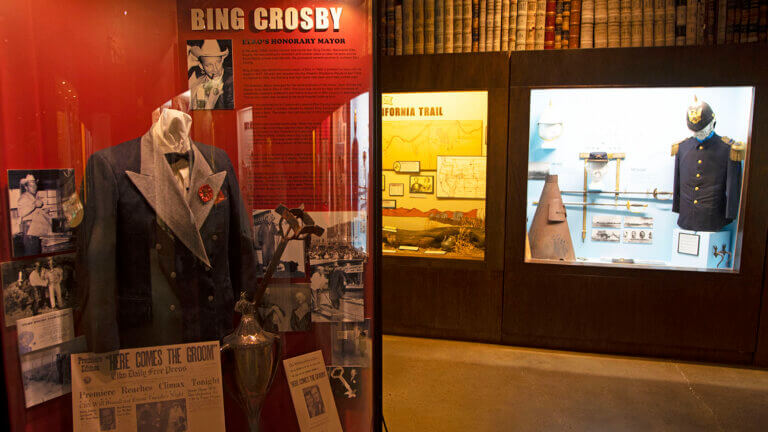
(209, 72)
(36, 286)
(39, 285)
(166, 416)
(266, 233)
(314, 401)
(31, 208)
(301, 317)
(53, 276)
(337, 291)
(285, 307)
(38, 223)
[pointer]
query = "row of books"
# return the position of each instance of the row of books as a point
(455, 26)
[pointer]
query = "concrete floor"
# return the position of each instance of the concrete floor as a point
(433, 385)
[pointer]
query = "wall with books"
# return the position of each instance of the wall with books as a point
(460, 26)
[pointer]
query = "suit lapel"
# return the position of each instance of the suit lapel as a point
(159, 187)
(202, 175)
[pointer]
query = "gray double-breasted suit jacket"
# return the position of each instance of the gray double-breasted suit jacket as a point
(160, 265)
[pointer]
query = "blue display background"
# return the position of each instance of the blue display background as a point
(643, 123)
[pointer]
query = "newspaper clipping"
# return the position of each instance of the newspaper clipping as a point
(311, 393)
(45, 343)
(162, 388)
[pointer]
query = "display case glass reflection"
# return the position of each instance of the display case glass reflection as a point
(640, 176)
(434, 149)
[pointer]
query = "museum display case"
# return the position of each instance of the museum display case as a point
(434, 150)
(688, 285)
(657, 183)
(189, 211)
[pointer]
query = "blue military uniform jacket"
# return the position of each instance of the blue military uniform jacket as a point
(158, 265)
(707, 183)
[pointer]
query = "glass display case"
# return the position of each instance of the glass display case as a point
(188, 191)
(434, 151)
(640, 176)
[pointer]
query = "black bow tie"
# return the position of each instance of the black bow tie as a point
(175, 157)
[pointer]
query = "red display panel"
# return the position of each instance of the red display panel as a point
(86, 75)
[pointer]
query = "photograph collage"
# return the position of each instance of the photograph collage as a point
(317, 280)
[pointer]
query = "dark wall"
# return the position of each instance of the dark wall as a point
(701, 315)
(442, 297)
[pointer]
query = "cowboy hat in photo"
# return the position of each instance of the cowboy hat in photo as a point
(28, 179)
(210, 48)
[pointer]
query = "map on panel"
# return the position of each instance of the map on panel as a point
(424, 140)
(461, 177)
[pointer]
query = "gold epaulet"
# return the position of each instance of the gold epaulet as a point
(675, 147)
(738, 150)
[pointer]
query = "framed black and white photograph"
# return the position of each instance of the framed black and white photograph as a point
(337, 291)
(344, 236)
(396, 189)
(286, 307)
(638, 222)
(421, 184)
(266, 238)
(688, 244)
(350, 344)
(36, 203)
(209, 73)
(345, 381)
(314, 401)
(601, 235)
(162, 416)
(35, 286)
(45, 374)
(643, 236)
(606, 221)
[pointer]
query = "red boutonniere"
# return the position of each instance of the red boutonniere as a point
(205, 193)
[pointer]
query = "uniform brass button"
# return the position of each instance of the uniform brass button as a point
(158, 246)
(696, 188)
(173, 275)
(215, 237)
(172, 307)
(695, 201)
(698, 175)
(210, 298)
(699, 160)
(701, 147)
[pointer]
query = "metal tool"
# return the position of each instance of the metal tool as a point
(655, 193)
(628, 205)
